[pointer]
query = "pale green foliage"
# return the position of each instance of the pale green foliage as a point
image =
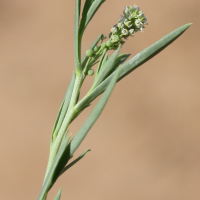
(109, 71)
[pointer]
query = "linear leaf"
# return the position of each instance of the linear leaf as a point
(90, 13)
(105, 69)
(87, 6)
(100, 63)
(57, 197)
(77, 46)
(76, 141)
(64, 106)
(105, 60)
(58, 165)
(120, 60)
(74, 162)
(135, 62)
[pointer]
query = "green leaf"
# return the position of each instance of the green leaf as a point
(100, 63)
(135, 62)
(63, 140)
(87, 6)
(64, 107)
(120, 60)
(105, 69)
(58, 165)
(151, 51)
(91, 10)
(76, 141)
(85, 58)
(77, 38)
(105, 60)
(57, 197)
(74, 162)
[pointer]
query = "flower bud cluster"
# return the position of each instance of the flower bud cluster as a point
(131, 22)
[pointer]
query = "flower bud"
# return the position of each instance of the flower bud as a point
(90, 53)
(115, 38)
(109, 43)
(96, 48)
(90, 72)
(103, 45)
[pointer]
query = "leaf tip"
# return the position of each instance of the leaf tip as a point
(188, 25)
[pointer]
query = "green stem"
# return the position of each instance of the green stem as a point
(86, 66)
(69, 116)
(70, 113)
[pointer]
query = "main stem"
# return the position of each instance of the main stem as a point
(68, 117)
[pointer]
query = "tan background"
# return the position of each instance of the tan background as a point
(146, 144)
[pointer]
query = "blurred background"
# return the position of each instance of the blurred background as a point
(146, 143)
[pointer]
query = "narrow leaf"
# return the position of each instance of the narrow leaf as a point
(57, 197)
(135, 62)
(63, 139)
(77, 42)
(74, 162)
(90, 13)
(105, 69)
(87, 6)
(58, 165)
(76, 141)
(100, 63)
(105, 60)
(120, 60)
(64, 107)
(151, 51)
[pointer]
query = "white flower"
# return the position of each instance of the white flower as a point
(136, 7)
(132, 21)
(144, 20)
(122, 17)
(137, 22)
(120, 20)
(128, 24)
(124, 31)
(131, 32)
(114, 30)
(140, 13)
(126, 9)
(120, 25)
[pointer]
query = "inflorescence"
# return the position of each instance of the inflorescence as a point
(132, 21)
